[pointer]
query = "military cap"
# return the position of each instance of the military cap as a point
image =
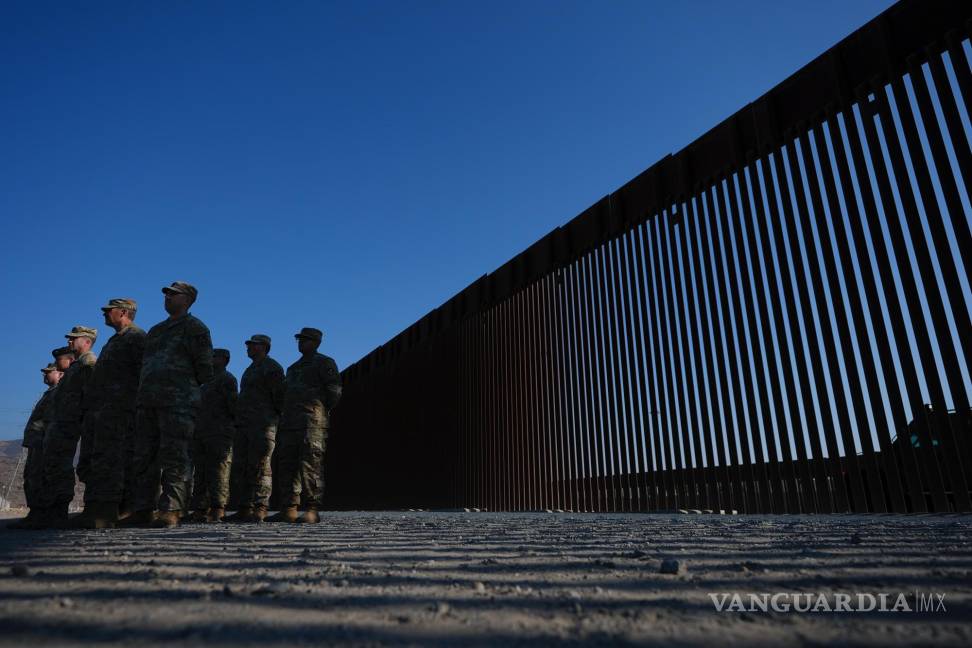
(221, 353)
(259, 338)
(59, 351)
(82, 331)
(49, 368)
(127, 304)
(182, 288)
(310, 333)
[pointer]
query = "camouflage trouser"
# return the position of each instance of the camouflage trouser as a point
(34, 475)
(60, 444)
(110, 473)
(86, 452)
(300, 456)
(198, 497)
(162, 439)
(211, 459)
(257, 476)
(275, 489)
(237, 480)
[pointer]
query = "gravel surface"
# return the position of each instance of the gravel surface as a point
(486, 579)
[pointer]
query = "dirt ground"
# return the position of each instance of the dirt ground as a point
(485, 579)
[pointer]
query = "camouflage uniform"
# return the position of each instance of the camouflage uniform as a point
(110, 407)
(178, 359)
(261, 401)
(62, 436)
(86, 448)
(212, 445)
(276, 489)
(238, 467)
(40, 419)
(313, 388)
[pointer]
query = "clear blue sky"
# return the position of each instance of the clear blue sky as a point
(347, 166)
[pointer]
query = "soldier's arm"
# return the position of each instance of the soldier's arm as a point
(48, 411)
(232, 395)
(36, 423)
(35, 426)
(137, 351)
(331, 379)
(201, 352)
(277, 386)
(84, 384)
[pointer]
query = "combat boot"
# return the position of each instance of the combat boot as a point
(258, 515)
(197, 517)
(54, 517)
(310, 516)
(215, 515)
(138, 519)
(288, 514)
(42, 519)
(96, 515)
(105, 516)
(166, 520)
(241, 515)
(80, 521)
(28, 521)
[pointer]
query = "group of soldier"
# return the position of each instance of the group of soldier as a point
(164, 434)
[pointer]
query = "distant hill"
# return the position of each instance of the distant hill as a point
(10, 448)
(9, 456)
(10, 453)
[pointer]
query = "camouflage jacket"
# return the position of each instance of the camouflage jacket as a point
(178, 360)
(217, 408)
(69, 398)
(261, 394)
(39, 419)
(114, 382)
(313, 388)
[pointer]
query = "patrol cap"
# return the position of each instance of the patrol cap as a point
(181, 288)
(310, 333)
(121, 302)
(221, 353)
(59, 351)
(82, 331)
(259, 338)
(49, 368)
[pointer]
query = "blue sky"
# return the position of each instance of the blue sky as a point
(346, 166)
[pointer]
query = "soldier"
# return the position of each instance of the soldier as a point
(213, 442)
(110, 420)
(313, 388)
(62, 436)
(261, 402)
(39, 419)
(178, 360)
